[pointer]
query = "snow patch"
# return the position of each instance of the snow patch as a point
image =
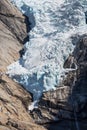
(33, 106)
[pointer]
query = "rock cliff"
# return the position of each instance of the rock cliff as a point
(14, 100)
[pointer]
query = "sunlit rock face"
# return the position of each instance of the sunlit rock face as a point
(14, 100)
(54, 26)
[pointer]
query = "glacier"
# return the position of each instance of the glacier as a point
(54, 26)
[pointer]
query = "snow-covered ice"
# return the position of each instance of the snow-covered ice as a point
(53, 23)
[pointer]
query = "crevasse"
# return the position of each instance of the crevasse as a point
(53, 23)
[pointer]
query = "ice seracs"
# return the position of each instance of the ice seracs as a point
(50, 43)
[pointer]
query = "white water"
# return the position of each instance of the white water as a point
(55, 24)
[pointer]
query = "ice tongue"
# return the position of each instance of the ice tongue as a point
(54, 25)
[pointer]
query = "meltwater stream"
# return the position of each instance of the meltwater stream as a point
(55, 28)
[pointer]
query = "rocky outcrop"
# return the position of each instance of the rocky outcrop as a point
(14, 100)
(13, 31)
(13, 20)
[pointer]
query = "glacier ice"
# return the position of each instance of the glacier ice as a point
(53, 23)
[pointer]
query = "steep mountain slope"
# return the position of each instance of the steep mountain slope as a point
(14, 100)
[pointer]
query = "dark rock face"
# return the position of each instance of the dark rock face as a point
(71, 98)
(70, 62)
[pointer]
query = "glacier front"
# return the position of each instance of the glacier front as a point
(54, 25)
